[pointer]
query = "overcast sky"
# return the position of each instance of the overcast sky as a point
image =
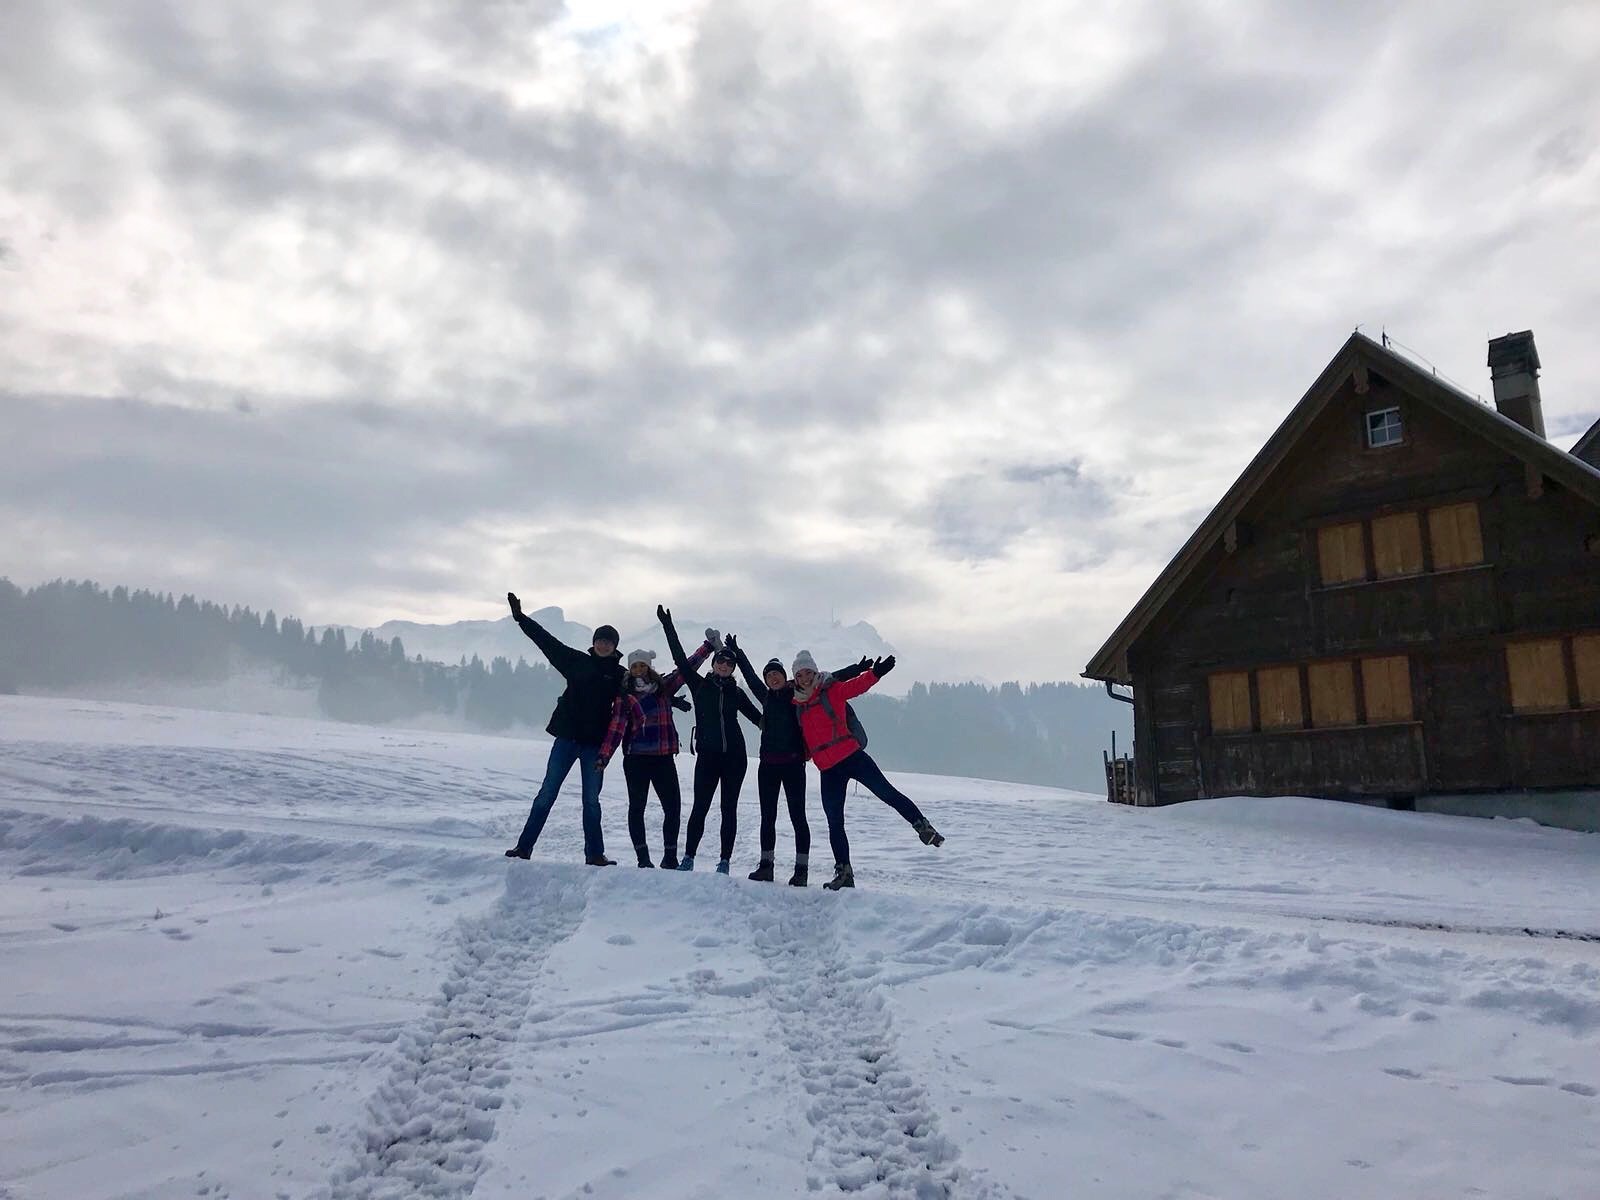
(952, 317)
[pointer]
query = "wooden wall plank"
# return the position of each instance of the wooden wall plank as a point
(1279, 690)
(1538, 674)
(1456, 534)
(1387, 688)
(1397, 545)
(1333, 694)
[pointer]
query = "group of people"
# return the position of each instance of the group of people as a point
(609, 705)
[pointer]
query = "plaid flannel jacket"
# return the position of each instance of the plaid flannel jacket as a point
(643, 724)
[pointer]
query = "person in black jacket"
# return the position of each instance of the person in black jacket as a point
(721, 759)
(783, 760)
(577, 727)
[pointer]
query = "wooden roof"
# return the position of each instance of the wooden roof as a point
(1588, 446)
(1110, 663)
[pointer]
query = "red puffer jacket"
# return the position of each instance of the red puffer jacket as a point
(828, 736)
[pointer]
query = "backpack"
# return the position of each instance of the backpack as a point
(852, 722)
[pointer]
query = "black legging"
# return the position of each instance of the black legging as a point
(711, 768)
(835, 779)
(660, 770)
(792, 778)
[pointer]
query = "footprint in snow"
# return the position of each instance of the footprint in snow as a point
(1578, 1089)
(1401, 1073)
(284, 949)
(64, 926)
(1237, 1047)
(1121, 1035)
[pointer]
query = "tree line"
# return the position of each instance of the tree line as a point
(71, 633)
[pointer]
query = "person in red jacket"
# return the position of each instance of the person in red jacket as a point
(825, 725)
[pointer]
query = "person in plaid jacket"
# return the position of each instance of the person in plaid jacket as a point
(643, 728)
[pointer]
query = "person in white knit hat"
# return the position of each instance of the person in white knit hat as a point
(642, 726)
(837, 750)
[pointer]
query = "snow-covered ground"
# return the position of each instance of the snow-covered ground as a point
(259, 956)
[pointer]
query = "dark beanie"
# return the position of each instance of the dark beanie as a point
(607, 633)
(774, 664)
(725, 655)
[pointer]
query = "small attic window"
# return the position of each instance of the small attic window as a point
(1384, 428)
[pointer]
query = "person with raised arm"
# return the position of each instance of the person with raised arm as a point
(824, 720)
(721, 759)
(642, 725)
(577, 728)
(782, 762)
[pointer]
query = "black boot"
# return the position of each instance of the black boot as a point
(843, 877)
(519, 852)
(798, 879)
(763, 873)
(644, 856)
(669, 859)
(599, 860)
(929, 835)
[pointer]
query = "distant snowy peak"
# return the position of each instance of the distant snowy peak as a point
(833, 644)
(487, 639)
(763, 637)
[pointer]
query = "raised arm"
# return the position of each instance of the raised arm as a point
(674, 646)
(752, 680)
(562, 656)
(747, 707)
(854, 669)
(849, 689)
(672, 682)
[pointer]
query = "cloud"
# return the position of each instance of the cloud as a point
(952, 319)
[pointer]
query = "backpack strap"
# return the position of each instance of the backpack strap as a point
(833, 718)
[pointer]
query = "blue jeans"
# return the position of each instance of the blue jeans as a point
(861, 767)
(563, 753)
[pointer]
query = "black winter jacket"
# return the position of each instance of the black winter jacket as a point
(717, 705)
(781, 740)
(584, 710)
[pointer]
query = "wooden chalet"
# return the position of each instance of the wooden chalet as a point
(1397, 602)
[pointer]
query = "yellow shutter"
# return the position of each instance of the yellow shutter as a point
(1230, 702)
(1586, 656)
(1538, 673)
(1278, 690)
(1342, 553)
(1397, 545)
(1456, 535)
(1386, 684)
(1333, 694)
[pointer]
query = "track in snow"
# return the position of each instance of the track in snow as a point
(876, 1130)
(428, 1123)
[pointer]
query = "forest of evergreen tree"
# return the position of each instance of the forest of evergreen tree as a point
(72, 633)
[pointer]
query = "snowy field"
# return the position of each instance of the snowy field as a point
(259, 956)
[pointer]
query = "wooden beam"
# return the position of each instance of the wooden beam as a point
(1535, 481)
(1363, 383)
(1230, 537)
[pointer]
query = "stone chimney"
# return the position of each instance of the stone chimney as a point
(1514, 371)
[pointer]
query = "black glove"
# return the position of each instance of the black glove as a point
(664, 615)
(866, 662)
(680, 703)
(883, 666)
(516, 605)
(731, 641)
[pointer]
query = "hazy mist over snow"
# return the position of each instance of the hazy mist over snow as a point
(953, 319)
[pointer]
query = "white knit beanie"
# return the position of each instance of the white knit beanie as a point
(641, 656)
(804, 662)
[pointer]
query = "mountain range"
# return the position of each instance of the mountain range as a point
(833, 644)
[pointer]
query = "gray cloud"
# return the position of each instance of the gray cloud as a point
(956, 325)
